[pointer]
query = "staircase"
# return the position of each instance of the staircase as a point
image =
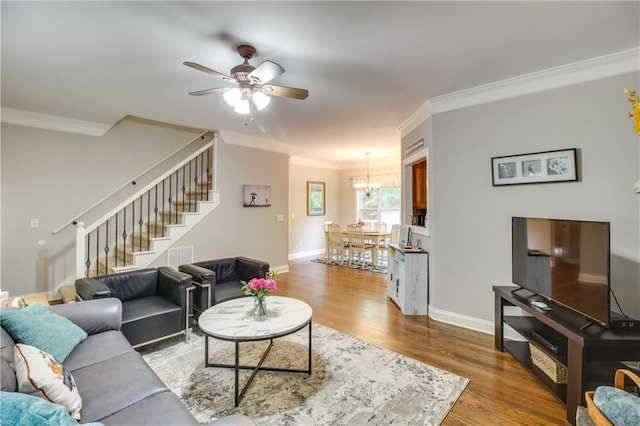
(139, 230)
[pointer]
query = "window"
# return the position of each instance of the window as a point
(382, 206)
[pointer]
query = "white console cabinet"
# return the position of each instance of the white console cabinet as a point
(408, 279)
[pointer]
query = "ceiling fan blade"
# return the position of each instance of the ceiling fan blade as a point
(265, 72)
(208, 91)
(209, 71)
(288, 92)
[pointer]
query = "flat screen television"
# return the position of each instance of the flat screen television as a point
(564, 261)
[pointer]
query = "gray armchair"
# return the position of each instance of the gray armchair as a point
(156, 303)
(218, 280)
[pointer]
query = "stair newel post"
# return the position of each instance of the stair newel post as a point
(81, 254)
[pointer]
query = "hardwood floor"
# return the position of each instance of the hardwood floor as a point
(500, 392)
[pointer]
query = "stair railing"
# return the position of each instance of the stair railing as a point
(130, 226)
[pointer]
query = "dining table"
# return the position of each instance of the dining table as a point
(375, 237)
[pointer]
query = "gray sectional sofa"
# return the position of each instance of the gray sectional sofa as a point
(116, 385)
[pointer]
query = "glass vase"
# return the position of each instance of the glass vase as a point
(259, 306)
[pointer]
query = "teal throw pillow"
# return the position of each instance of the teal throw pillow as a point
(22, 409)
(621, 408)
(37, 326)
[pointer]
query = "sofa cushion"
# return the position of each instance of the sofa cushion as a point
(225, 269)
(153, 411)
(39, 374)
(9, 382)
(7, 374)
(227, 291)
(114, 384)
(132, 285)
(22, 409)
(97, 348)
(37, 326)
(150, 318)
(620, 407)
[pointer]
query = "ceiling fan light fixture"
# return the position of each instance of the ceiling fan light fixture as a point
(233, 96)
(243, 107)
(261, 100)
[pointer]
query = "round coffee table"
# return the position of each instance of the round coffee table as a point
(234, 321)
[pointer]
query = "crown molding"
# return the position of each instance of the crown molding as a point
(619, 63)
(52, 122)
(311, 162)
(422, 113)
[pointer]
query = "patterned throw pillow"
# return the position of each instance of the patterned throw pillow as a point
(39, 374)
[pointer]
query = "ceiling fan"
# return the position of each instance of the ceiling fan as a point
(252, 90)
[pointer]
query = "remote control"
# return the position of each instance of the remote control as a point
(541, 305)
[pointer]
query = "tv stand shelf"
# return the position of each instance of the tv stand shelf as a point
(592, 356)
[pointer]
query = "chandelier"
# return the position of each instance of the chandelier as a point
(367, 187)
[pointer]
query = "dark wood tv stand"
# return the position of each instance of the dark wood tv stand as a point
(593, 353)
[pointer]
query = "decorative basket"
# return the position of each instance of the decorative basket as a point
(555, 371)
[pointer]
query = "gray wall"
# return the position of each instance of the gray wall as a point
(234, 230)
(306, 232)
(53, 176)
(306, 235)
(471, 219)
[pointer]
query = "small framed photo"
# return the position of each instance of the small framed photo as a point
(315, 198)
(539, 167)
(256, 196)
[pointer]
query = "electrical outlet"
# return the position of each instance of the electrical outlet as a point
(34, 222)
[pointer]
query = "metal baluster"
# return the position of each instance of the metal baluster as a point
(190, 192)
(140, 222)
(208, 170)
(133, 224)
(124, 235)
(170, 185)
(88, 262)
(115, 262)
(176, 196)
(155, 210)
(106, 248)
(148, 216)
(98, 250)
(202, 174)
(195, 181)
(163, 206)
(183, 188)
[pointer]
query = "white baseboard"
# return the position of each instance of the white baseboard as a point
(301, 254)
(280, 269)
(471, 323)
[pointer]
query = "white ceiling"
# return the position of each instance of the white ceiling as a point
(368, 66)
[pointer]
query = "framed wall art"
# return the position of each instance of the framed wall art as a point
(539, 167)
(315, 198)
(257, 196)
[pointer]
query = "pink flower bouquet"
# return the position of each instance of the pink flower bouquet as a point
(259, 287)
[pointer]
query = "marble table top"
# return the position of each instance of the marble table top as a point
(234, 319)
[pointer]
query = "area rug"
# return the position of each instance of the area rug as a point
(382, 269)
(352, 383)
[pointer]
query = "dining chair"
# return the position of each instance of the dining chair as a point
(337, 244)
(395, 234)
(358, 244)
(383, 244)
(327, 243)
